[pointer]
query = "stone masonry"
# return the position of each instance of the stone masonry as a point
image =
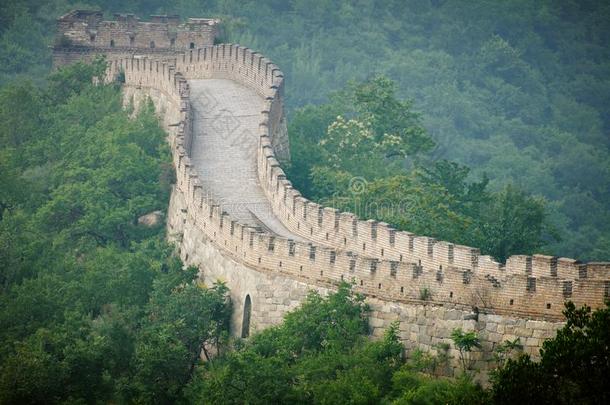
(83, 34)
(234, 214)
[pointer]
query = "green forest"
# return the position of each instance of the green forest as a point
(486, 123)
(93, 306)
(516, 91)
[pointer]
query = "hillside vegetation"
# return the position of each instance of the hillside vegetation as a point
(414, 99)
(93, 306)
(519, 90)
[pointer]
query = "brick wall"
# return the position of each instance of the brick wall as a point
(84, 33)
(381, 261)
(429, 285)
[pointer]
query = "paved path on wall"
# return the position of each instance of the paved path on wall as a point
(225, 126)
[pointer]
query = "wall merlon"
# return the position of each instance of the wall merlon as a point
(182, 154)
(383, 262)
(276, 173)
(284, 185)
(186, 161)
(487, 265)
(402, 241)
(291, 195)
(598, 270)
(567, 268)
(423, 249)
(312, 215)
(272, 162)
(441, 254)
(518, 264)
(266, 148)
(544, 266)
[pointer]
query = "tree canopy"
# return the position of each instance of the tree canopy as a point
(573, 368)
(482, 122)
(321, 354)
(375, 162)
(516, 90)
(93, 306)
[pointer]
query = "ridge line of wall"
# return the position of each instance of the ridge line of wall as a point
(399, 266)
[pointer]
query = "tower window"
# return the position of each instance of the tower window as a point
(192, 45)
(92, 37)
(172, 42)
(112, 43)
(152, 44)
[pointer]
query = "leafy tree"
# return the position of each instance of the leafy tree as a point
(573, 367)
(290, 362)
(94, 308)
(19, 114)
(321, 354)
(509, 349)
(465, 342)
(395, 124)
(512, 222)
(417, 388)
(370, 161)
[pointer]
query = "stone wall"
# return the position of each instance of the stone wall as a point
(522, 298)
(382, 261)
(272, 294)
(84, 34)
(422, 326)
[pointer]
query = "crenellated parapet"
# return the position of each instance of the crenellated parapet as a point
(384, 263)
(83, 34)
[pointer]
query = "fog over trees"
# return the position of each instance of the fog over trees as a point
(516, 90)
(485, 123)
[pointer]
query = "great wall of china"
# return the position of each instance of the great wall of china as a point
(235, 215)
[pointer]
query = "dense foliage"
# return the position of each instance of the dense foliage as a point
(93, 306)
(573, 369)
(516, 89)
(321, 354)
(365, 152)
(514, 99)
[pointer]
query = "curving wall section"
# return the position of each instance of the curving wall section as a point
(402, 274)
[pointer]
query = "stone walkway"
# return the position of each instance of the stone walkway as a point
(226, 117)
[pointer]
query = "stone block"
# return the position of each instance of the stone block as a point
(539, 333)
(375, 322)
(535, 324)
(468, 325)
(424, 338)
(378, 332)
(495, 318)
(510, 337)
(523, 332)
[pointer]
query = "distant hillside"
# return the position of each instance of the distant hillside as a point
(519, 90)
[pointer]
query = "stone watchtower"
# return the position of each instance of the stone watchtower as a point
(83, 34)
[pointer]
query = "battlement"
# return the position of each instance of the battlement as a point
(82, 34)
(382, 262)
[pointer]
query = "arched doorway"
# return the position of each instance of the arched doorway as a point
(245, 324)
